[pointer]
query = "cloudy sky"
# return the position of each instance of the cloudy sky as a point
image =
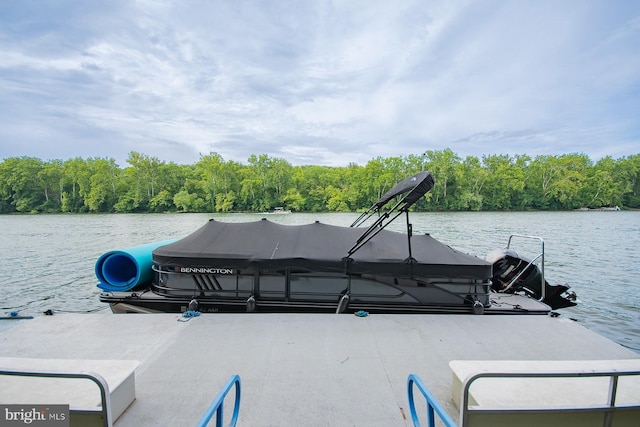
(318, 82)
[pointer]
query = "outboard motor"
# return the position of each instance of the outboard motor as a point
(513, 273)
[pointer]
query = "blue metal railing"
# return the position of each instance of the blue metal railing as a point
(216, 406)
(432, 404)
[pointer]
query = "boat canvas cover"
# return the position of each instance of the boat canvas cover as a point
(264, 244)
(415, 186)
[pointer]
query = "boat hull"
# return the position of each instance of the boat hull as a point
(150, 302)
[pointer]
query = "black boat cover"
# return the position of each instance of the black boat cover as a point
(263, 244)
(418, 185)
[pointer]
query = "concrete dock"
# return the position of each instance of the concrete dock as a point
(297, 369)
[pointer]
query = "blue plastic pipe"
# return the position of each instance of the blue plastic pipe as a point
(123, 270)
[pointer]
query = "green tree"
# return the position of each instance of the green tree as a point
(77, 183)
(189, 202)
(472, 177)
(103, 195)
(217, 177)
(6, 192)
(349, 181)
(51, 182)
(503, 182)
(337, 200)
(172, 177)
(251, 192)
(542, 173)
(22, 180)
(265, 180)
(162, 202)
(628, 174)
(141, 182)
(311, 182)
(497, 182)
(379, 179)
(443, 165)
(210, 171)
(572, 177)
(293, 200)
(601, 188)
(225, 201)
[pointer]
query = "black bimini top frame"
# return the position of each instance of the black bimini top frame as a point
(413, 189)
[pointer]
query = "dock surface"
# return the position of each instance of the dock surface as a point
(297, 369)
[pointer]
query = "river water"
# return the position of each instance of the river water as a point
(47, 261)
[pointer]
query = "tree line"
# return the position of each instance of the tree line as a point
(212, 184)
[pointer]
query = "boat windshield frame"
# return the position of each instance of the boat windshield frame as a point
(413, 188)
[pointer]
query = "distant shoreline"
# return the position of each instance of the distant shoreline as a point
(602, 209)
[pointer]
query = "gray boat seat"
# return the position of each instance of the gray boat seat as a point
(74, 382)
(551, 393)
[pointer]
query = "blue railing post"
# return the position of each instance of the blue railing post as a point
(431, 419)
(217, 405)
(432, 404)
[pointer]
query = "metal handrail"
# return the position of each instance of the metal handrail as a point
(216, 406)
(517, 277)
(607, 409)
(541, 256)
(432, 404)
(105, 400)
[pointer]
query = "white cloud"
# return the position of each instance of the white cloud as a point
(320, 82)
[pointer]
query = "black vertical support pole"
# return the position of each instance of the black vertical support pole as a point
(409, 233)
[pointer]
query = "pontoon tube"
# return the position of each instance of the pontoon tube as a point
(123, 270)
